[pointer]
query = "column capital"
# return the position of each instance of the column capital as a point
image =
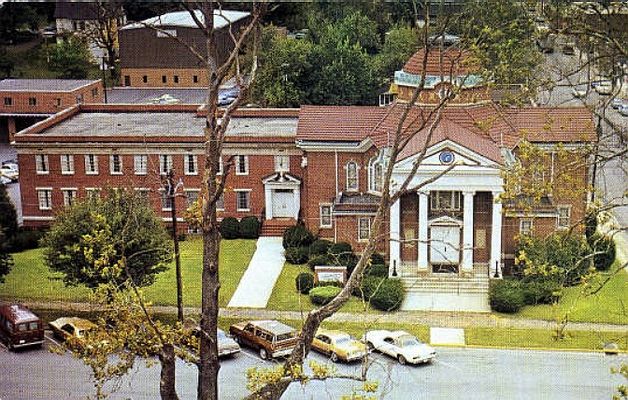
(468, 192)
(422, 192)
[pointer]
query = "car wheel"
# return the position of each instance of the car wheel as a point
(236, 339)
(370, 346)
(334, 357)
(401, 359)
(263, 354)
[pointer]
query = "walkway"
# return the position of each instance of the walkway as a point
(259, 279)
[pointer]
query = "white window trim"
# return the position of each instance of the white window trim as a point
(246, 165)
(44, 164)
(70, 189)
(111, 171)
(357, 176)
(369, 234)
(88, 171)
(558, 225)
(521, 221)
(238, 209)
(169, 163)
(144, 170)
(223, 202)
(320, 210)
(41, 189)
(191, 190)
(89, 190)
(70, 159)
(186, 164)
(371, 176)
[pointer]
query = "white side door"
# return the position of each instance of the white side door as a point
(283, 204)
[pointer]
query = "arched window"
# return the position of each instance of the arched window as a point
(376, 175)
(352, 176)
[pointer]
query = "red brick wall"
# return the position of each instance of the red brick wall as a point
(46, 101)
(409, 222)
(482, 221)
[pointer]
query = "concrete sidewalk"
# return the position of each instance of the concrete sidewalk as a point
(259, 279)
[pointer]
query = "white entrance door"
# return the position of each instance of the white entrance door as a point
(445, 245)
(283, 203)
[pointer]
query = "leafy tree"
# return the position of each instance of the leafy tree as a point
(131, 230)
(353, 28)
(7, 63)
(6, 261)
(70, 58)
(399, 45)
(8, 215)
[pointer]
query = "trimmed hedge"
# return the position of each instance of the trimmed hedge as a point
(367, 287)
(389, 295)
(380, 270)
(297, 255)
(540, 292)
(341, 253)
(506, 295)
(304, 282)
(605, 251)
(320, 247)
(230, 228)
(377, 258)
(297, 236)
(323, 294)
(322, 259)
(249, 227)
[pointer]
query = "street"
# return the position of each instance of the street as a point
(457, 373)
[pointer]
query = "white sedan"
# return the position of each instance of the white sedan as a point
(10, 171)
(400, 345)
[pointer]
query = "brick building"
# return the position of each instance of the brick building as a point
(24, 102)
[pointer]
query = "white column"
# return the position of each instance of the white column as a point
(395, 245)
(297, 202)
(423, 239)
(268, 199)
(496, 235)
(467, 232)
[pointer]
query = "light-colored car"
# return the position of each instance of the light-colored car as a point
(10, 171)
(579, 93)
(226, 345)
(617, 103)
(70, 327)
(623, 110)
(400, 345)
(4, 180)
(604, 87)
(338, 345)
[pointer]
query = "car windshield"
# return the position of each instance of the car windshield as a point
(408, 342)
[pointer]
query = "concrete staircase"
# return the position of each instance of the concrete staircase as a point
(276, 226)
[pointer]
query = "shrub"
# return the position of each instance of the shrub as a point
(249, 227)
(320, 247)
(323, 294)
(340, 248)
(590, 224)
(389, 295)
(297, 255)
(506, 296)
(604, 251)
(24, 240)
(181, 237)
(230, 228)
(341, 253)
(368, 286)
(540, 292)
(380, 270)
(318, 260)
(297, 236)
(304, 282)
(377, 258)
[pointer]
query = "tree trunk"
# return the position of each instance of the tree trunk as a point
(167, 387)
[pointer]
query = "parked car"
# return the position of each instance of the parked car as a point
(569, 49)
(623, 110)
(20, 327)
(11, 171)
(604, 87)
(4, 180)
(226, 345)
(579, 93)
(338, 345)
(65, 328)
(400, 345)
(616, 103)
(271, 338)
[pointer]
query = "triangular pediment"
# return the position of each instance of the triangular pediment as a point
(446, 153)
(445, 220)
(281, 178)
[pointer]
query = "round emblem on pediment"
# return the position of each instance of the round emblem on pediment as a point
(446, 157)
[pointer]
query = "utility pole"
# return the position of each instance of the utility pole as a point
(171, 188)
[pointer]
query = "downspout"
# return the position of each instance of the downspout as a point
(336, 195)
(336, 157)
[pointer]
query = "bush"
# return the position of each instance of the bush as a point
(181, 237)
(318, 260)
(297, 236)
(368, 286)
(24, 240)
(320, 247)
(380, 270)
(297, 255)
(230, 228)
(540, 292)
(323, 294)
(341, 253)
(249, 227)
(304, 282)
(389, 295)
(605, 251)
(377, 258)
(506, 295)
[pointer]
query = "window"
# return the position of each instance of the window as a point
(8, 101)
(115, 164)
(44, 196)
(525, 226)
(195, 78)
(68, 196)
(32, 101)
(564, 216)
(220, 203)
(92, 193)
(243, 200)
(58, 102)
(191, 164)
(94, 92)
(352, 175)
(91, 164)
(67, 164)
(364, 228)
(242, 165)
(191, 196)
(41, 164)
(386, 98)
(445, 201)
(79, 99)
(165, 163)
(140, 164)
(166, 201)
(282, 163)
(143, 193)
(127, 80)
(175, 78)
(145, 79)
(219, 166)
(164, 79)
(325, 216)
(376, 175)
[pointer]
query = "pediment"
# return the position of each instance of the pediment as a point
(445, 221)
(446, 153)
(281, 178)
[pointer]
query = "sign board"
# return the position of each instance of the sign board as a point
(330, 273)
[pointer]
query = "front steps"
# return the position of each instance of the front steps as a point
(446, 292)
(276, 226)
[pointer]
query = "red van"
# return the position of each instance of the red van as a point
(20, 327)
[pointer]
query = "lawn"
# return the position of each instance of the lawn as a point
(30, 279)
(286, 297)
(608, 305)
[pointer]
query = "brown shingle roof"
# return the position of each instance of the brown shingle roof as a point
(553, 124)
(337, 123)
(450, 61)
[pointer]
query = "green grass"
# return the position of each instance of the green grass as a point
(30, 278)
(609, 305)
(286, 297)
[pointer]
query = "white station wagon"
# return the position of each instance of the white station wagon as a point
(400, 345)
